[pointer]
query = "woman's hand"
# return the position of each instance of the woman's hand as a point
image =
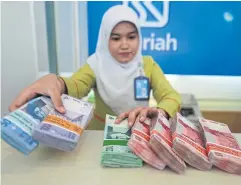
(140, 113)
(49, 85)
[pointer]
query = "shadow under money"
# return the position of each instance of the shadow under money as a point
(15, 162)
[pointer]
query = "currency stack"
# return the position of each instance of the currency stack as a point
(115, 151)
(37, 122)
(223, 149)
(17, 127)
(63, 131)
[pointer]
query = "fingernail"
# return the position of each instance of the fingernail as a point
(130, 123)
(116, 121)
(142, 119)
(62, 109)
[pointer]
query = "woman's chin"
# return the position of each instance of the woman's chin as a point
(124, 60)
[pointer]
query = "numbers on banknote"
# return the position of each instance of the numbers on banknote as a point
(109, 149)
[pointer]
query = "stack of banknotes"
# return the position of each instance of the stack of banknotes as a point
(161, 143)
(223, 149)
(139, 144)
(38, 122)
(188, 143)
(17, 128)
(115, 151)
(63, 131)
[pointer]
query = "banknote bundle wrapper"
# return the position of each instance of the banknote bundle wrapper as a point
(63, 131)
(161, 143)
(188, 142)
(139, 144)
(18, 126)
(223, 149)
(115, 151)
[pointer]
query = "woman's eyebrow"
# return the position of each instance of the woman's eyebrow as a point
(117, 34)
(132, 32)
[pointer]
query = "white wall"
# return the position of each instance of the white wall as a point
(24, 51)
(65, 36)
(41, 35)
(18, 49)
(72, 35)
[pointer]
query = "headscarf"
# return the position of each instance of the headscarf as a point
(115, 80)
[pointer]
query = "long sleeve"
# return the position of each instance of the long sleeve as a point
(166, 96)
(81, 82)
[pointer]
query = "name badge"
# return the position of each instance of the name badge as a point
(141, 88)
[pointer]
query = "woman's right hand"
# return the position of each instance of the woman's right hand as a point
(50, 85)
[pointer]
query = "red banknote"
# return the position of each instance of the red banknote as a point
(161, 143)
(139, 144)
(188, 143)
(223, 149)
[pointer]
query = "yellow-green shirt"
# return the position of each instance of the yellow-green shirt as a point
(81, 82)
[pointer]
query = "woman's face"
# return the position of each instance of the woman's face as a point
(124, 42)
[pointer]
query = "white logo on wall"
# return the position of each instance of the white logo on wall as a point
(161, 18)
(153, 42)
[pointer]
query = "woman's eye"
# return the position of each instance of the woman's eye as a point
(132, 37)
(115, 38)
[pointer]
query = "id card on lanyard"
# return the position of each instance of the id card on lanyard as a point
(141, 87)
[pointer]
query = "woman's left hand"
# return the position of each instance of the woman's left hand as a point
(141, 113)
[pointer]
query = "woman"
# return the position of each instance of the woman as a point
(114, 72)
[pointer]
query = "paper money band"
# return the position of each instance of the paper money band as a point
(141, 134)
(189, 141)
(218, 148)
(54, 120)
(157, 134)
(99, 118)
(115, 142)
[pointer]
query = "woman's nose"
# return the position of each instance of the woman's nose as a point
(124, 44)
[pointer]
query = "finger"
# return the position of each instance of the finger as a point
(143, 114)
(132, 116)
(56, 99)
(163, 112)
(121, 117)
(148, 112)
(153, 111)
(23, 98)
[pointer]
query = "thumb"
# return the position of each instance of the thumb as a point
(57, 101)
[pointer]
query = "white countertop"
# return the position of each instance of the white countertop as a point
(47, 166)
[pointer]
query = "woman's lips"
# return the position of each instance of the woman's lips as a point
(125, 54)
